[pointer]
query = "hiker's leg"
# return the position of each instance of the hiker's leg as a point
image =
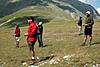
(30, 51)
(79, 27)
(85, 39)
(90, 37)
(81, 30)
(31, 48)
(17, 42)
(33, 53)
(41, 44)
(85, 35)
(39, 40)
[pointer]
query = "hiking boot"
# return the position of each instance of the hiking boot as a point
(17, 46)
(79, 34)
(90, 44)
(83, 44)
(33, 59)
(42, 45)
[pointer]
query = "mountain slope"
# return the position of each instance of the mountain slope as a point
(82, 7)
(10, 6)
(50, 8)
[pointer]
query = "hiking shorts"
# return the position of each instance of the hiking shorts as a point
(17, 38)
(31, 44)
(88, 31)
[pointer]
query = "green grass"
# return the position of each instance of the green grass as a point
(60, 38)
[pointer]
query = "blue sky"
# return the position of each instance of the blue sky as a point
(94, 3)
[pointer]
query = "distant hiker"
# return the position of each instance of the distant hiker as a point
(80, 25)
(88, 27)
(17, 35)
(31, 36)
(40, 32)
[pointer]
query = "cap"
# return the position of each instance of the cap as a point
(88, 12)
(40, 23)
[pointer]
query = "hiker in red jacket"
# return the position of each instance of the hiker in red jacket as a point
(17, 35)
(31, 36)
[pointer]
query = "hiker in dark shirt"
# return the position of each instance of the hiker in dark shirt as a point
(80, 25)
(39, 32)
(88, 27)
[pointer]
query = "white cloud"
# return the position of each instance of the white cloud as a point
(88, 1)
(98, 9)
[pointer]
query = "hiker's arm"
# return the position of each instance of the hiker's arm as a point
(92, 22)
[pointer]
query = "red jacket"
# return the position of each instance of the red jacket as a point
(17, 32)
(32, 32)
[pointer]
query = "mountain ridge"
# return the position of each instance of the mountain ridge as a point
(65, 9)
(10, 6)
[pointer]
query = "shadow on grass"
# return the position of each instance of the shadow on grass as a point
(46, 45)
(23, 46)
(42, 58)
(95, 43)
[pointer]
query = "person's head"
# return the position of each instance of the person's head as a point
(17, 25)
(80, 17)
(30, 18)
(88, 13)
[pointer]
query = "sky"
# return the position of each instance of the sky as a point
(94, 3)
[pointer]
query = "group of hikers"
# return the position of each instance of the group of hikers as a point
(35, 32)
(89, 21)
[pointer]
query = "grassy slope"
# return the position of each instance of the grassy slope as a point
(50, 11)
(60, 38)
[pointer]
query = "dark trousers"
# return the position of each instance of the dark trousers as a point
(40, 40)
